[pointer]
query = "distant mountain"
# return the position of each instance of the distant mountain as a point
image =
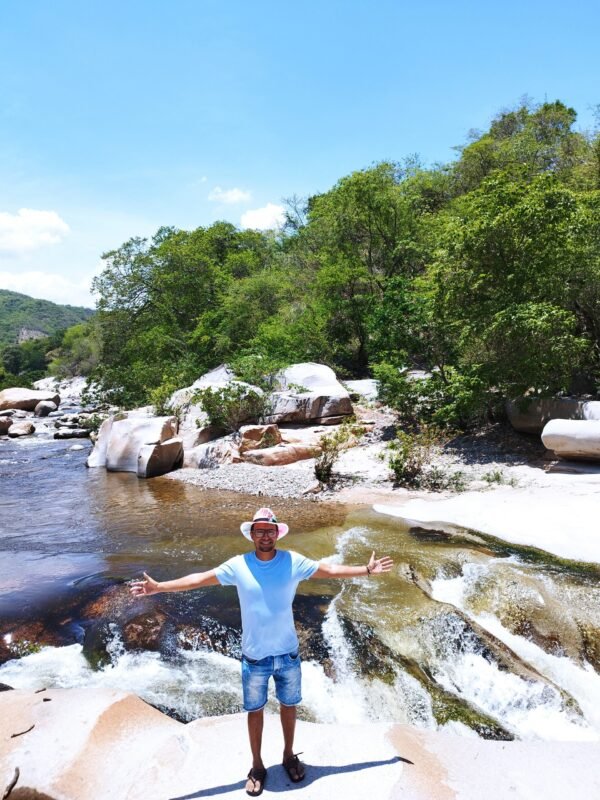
(23, 317)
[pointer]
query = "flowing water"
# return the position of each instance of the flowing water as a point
(484, 639)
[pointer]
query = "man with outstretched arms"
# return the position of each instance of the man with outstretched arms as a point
(266, 580)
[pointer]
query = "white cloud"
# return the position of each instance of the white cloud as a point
(30, 229)
(229, 196)
(50, 286)
(265, 218)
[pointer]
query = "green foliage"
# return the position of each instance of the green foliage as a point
(93, 422)
(78, 352)
(484, 272)
(232, 406)
(410, 456)
(18, 311)
(160, 397)
(331, 449)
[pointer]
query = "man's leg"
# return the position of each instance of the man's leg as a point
(255, 730)
(288, 723)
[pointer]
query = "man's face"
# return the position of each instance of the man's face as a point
(264, 536)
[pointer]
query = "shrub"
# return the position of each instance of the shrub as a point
(232, 406)
(410, 456)
(160, 396)
(331, 448)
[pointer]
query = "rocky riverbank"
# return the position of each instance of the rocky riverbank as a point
(73, 744)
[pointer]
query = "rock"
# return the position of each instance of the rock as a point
(72, 433)
(212, 454)
(158, 459)
(77, 447)
(281, 454)
(195, 428)
(5, 423)
(18, 429)
(8, 412)
(531, 415)
(120, 440)
(367, 389)
(570, 438)
(44, 407)
(309, 393)
(255, 437)
(215, 379)
(25, 399)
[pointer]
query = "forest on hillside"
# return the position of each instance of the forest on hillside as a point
(484, 272)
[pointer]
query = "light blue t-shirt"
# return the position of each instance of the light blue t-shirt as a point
(266, 590)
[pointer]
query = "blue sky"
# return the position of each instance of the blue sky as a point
(119, 117)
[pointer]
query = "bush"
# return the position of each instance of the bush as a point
(410, 456)
(159, 398)
(232, 406)
(331, 449)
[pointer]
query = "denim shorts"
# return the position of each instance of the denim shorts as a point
(286, 673)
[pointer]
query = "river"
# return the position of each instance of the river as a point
(463, 634)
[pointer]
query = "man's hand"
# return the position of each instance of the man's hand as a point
(145, 587)
(378, 565)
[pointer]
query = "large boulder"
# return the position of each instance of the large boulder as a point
(45, 407)
(573, 438)
(194, 426)
(120, 440)
(158, 459)
(530, 415)
(26, 399)
(18, 429)
(5, 423)
(309, 393)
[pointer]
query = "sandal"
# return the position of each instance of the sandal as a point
(257, 776)
(294, 768)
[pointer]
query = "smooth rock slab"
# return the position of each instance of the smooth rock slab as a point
(25, 399)
(571, 438)
(281, 454)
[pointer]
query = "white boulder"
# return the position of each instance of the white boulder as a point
(367, 389)
(529, 415)
(573, 438)
(18, 429)
(120, 440)
(309, 393)
(194, 427)
(158, 459)
(25, 399)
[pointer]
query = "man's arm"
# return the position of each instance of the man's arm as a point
(376, 566)
(194, 581)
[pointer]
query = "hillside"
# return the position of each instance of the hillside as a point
(19, 312)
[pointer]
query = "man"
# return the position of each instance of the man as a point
(266, 581)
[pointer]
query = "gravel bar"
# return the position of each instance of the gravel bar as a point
(288, 481)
